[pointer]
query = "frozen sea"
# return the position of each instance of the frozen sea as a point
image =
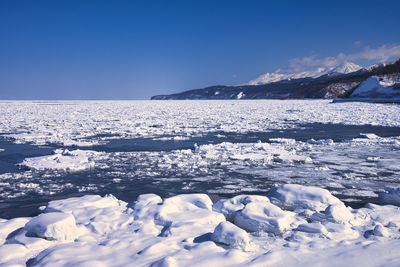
(222, 148)
(199, 183)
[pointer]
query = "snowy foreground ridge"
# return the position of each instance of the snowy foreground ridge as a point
(293, 225)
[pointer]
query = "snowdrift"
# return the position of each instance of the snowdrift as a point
(293, 225)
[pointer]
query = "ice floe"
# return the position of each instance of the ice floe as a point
(190, 230)
(63, 159)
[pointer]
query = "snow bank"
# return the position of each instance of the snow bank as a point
(190, 230)
(76, 160)
(230, 235)
(292, 197)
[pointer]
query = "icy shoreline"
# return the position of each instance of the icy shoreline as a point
(293, 225)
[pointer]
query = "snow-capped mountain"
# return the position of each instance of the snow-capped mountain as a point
(374, 66)
(344, 68)
(322, 83)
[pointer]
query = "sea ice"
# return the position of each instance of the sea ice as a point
(76, 160)
(86, 123)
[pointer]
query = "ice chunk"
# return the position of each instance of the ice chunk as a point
(289, 158)
(369, 135)
(373, 159)
(264, 217)
(293, 196)
(288, 141)
(315, 228)
(187, 208)
(187, 214)
(338, 213)
(231, 235)
(229, 207)
(53, 226)
(320, 142)
(86, 207)
(380, 230)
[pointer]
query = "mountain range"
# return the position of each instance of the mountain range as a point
(335, 82)
(344, 68)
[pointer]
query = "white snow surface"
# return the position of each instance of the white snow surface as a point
(344, 68)
(188, 230)
(86, 123)
(378, 87)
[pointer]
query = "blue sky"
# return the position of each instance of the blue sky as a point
(67, 49)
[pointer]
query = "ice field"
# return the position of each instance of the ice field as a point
(217, 183)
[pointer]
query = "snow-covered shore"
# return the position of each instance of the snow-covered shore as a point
(293, 225)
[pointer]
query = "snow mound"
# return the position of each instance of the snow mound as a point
(229, 207)
(292, 197)
(337, 213)
(53, 226)
(187, 230)
(101, 214)
(146, 206)
(264, 217)
(191, 212)
(65, 160)
(230, 235)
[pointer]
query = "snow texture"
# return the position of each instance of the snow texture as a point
(187, 230)
(53, 226)
(292, 196)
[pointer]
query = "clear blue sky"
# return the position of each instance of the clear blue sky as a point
(65, 49)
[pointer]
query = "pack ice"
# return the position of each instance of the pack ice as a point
(294, 225)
